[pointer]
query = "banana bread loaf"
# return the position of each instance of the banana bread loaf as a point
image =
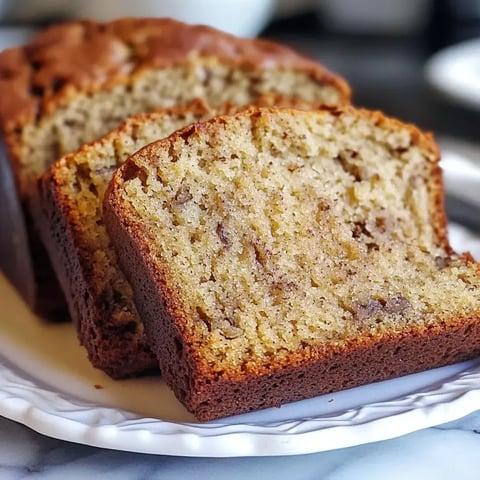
(277, 254)
(77, 81)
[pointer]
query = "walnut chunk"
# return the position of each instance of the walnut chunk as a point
(379, 306)
(359, 229)
(362, 312)
(442, 262)
(349, 160)
(223, 235)
(323, 205)
(397, 304)
(260, 254)
(225, 326)
(380, 225)
(183, 195)
(281, 289)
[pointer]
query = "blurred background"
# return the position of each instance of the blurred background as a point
(395, 55)
(392, 52)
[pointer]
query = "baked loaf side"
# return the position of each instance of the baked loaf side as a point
(68, 215)
(77, 81)
(278, 254)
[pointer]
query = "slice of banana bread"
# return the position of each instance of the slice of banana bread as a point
(68, 215)
(77, 81)
(277, 254)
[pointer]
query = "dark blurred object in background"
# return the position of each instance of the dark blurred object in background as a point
(374, 17)
(453, 21)
(385, 67)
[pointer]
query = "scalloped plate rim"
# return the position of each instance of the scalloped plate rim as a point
(133, 434)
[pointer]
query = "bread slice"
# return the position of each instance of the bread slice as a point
(278, 254)
(68, 215)
(75, 82)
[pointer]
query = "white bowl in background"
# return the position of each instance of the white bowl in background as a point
(244, 18)
(454, 73)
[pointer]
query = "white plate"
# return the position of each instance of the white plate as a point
(455, 73)
(47, 384)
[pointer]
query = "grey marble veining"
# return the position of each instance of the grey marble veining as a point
(450, 451)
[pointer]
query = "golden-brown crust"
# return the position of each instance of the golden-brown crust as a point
(116, 349)
(87, 56)
(212, 394)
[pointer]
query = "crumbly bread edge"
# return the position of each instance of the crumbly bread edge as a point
(56, 219)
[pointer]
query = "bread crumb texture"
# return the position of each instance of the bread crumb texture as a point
(283, 230)
(82, 178)
(89, 116)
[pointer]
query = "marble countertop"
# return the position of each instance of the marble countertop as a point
(446, 452)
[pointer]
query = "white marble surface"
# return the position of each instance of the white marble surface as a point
(446, 452)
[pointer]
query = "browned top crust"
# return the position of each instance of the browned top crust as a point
(87, 56)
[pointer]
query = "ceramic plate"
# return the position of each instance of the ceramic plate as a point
(47, 384)
(455, 73)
